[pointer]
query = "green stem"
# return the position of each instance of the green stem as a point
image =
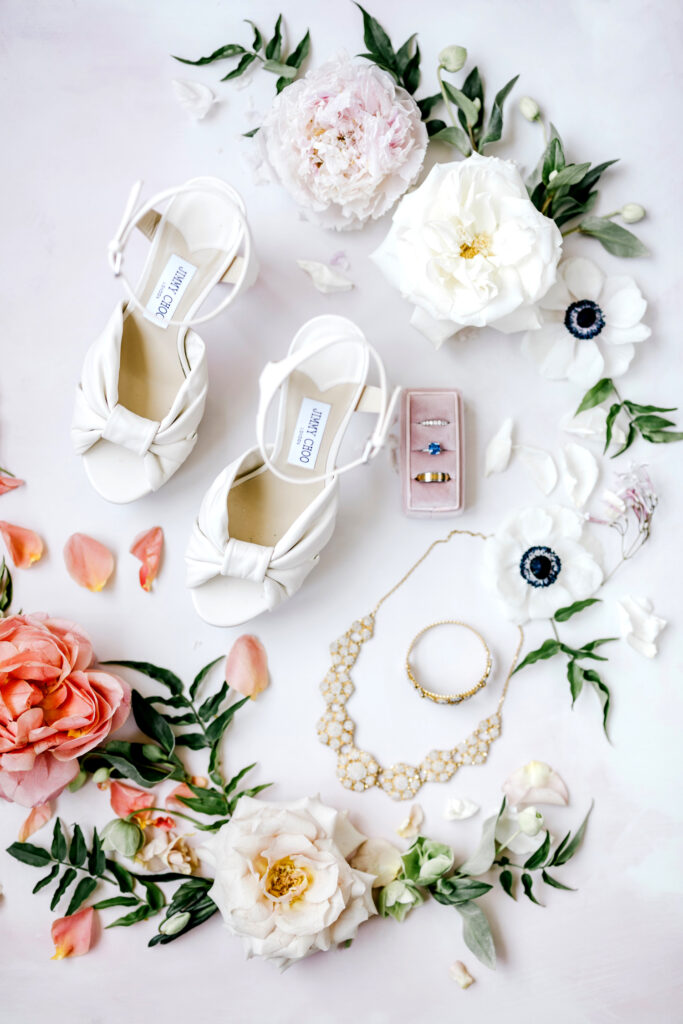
(67, 864)
(504, 846)
(174, 814)
(554, 629)
(571, 231)
(6, 472)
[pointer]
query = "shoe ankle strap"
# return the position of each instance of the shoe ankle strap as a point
(373, 398)
(146, 218)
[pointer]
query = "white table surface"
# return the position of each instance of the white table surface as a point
(88, 108)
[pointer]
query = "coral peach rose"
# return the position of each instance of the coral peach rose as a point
(53, 705)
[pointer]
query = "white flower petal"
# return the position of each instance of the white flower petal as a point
(379, 858)
(579, 473)
(588, 366)
(552, 349)
(638, 625)
(459, 973)
(194, 97)
(499, 449)
(623, 335)
(622, 302)
(324, 278)
(459, 809)
(540, 466)
(583, 278)
(591, 424)
(535, 783)
(617, 359)
(410, 826)
(557, 297)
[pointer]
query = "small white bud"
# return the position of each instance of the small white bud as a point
(530, 821)
(101, 775)
(459, 973)
(452, 58)
(632, 213)
(552, 175)
(476, 103)
(174, 924)
(529, 108)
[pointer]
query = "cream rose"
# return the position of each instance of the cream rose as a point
(283, 881)
(469, 248)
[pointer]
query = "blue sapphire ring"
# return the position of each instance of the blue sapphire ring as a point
(433, 448)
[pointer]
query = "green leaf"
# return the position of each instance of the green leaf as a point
(251, 134)
(377, 40)
(141, 914)
(613, 237)
(454, 890)
(58, 842)
(198, 915)
(116, 901)
(236, 779)
(64, 883)
(77, 850)
(549, 880)
(27, 853)
(597, 394)
(284, 70)
(154, 896)
(5, 587)
(593, 176)
(483, 857)
(152, 723)
(630, 438)
(210, 707)
(203, 673)
(572, 174)
(633, 407)
(575, 675)
(463, 103)
(411, 73)
(602, 690)
(274, 47)
(453, 137)
(83, 890)
(507, 881)
(609, 423)
(567, 849)
(79, 781)
(193, 740)
(494, 129)
(403, 54)
(553, 159)
(528, 884)
(662, 436)
(231, 50)
(211, 801)
(562, 614)
(300, 53)
(162, 675)
(540, 856)
(124, 878)
(598, 643)
(258, 38)
(651, 422)
(216, 729)
(427, 104)
(548, 649)
(96, 859)
(474, 90)
(477, 933)
(246, 62)
(46, 880)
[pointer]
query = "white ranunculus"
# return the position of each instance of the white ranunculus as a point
(283, 880)
(469, 249)
(345, 141)
(590, 325)
(539, 560)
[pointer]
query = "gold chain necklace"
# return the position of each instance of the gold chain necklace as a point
(357, 769)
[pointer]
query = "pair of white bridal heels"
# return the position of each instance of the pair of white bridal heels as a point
(265, 519)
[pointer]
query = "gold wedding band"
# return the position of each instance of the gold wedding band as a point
(433, 478)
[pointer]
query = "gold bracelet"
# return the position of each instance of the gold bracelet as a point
(440, 698)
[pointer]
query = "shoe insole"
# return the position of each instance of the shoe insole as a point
(262, 507)
(151, 372)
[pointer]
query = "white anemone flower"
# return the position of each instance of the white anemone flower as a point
(541, 559)
(590, 325)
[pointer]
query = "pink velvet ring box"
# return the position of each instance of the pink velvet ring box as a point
(436, 498)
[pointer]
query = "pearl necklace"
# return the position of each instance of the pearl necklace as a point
(357, 769)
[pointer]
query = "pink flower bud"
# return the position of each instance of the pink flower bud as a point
(246, 666)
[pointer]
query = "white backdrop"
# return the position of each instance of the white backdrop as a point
(88, 108)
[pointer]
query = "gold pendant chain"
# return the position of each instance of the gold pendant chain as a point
(357, 769)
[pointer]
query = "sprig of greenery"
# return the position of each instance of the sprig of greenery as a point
(577, 674)
(643, 420)
(269, 53)
(402, 64)
(474, 131)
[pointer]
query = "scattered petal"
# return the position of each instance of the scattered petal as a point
(194, 97)
(38, 817)
(340, 260)
(499, 448)
(324, 278)
(592, 423)
(72, 935)
(379, 858)
(458, 810)
(9, 483)
(410, 826)
(579, 473)
(25, 547)
(638, 625)
(126, 799)
(181, 790)
(246, 666)
(540, 465)
(459, 973)
(88, 562)
(535, 783)
(147, 549)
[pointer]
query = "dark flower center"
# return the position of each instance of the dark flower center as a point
(584, 319)
(540, 566)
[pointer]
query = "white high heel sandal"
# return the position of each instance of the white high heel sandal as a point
(144, 381)
(265, 519)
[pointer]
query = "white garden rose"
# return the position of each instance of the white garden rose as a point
(345, 141)
(283, 880)
(469, 248)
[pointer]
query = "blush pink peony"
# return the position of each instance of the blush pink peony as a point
(53, 705)
(345, 141)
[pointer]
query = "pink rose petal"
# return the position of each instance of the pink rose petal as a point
(42, 781)
(72, 935)
(147, 548)
(127, 799)
(38, 817)
(9, 483)
(88, 562)
(181, 790)
(24, 546)
(246, 666)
